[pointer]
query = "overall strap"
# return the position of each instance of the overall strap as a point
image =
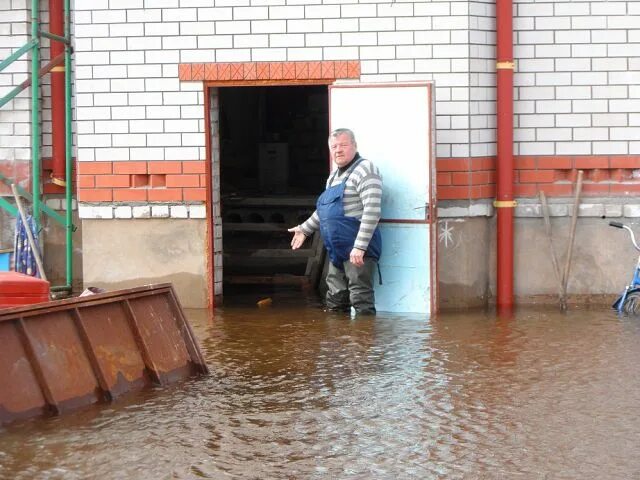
(352, 168)
(333, 177)
(349, 171)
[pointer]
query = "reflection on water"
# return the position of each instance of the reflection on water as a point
(296, 393)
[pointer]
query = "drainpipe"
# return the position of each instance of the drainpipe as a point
(504, 199)
(35, 111)
(68, 143)
(56, 27)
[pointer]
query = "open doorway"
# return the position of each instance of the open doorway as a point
(273, 164)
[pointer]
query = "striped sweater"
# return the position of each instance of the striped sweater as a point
(362, 200)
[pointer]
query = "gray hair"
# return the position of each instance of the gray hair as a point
(343, 131)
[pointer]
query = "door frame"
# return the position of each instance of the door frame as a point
(210, 226)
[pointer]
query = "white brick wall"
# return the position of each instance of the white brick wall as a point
(577, 68)
(215, 181)
(574, 60)
(399, 41)
(481, 94)
(15, 120)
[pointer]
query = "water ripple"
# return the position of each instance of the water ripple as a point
(295, 393)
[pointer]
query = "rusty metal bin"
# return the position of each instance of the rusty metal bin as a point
(61, 355)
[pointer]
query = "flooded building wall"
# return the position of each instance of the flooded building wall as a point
(601, 263)
(16, 141)
(140, 71)
(161, 250)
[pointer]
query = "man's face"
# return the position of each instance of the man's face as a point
(341, 149)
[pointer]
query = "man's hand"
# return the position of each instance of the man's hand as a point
(357, 257)
(298, 237)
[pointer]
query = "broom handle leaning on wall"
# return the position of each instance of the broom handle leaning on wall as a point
(554, 259)
(32, 243)
(572, 234)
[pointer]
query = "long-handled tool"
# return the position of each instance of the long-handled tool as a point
(562, 276)
(554, 259)
(572, 235)
(32, 242)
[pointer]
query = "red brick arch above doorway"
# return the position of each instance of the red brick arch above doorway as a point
(289, 71)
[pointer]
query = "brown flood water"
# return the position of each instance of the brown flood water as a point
(296, 393)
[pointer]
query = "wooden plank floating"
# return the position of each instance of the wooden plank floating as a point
(58, 356)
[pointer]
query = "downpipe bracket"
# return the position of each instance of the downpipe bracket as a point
(505, 65)
(505, 203)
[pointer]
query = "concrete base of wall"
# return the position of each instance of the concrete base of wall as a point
(55, 255)
(602, 262)
(132, 252)
(463, 262)
(127, 253)
(53, 245)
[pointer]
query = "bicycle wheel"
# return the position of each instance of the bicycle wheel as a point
(631, 305)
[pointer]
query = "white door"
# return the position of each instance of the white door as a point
(393, 125)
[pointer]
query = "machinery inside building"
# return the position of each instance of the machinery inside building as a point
(274, 161)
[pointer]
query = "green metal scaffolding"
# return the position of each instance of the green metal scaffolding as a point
(38, 207)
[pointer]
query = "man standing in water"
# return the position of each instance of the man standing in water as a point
(347, 215)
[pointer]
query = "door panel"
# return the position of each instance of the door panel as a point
(393, 128)
(404, 269)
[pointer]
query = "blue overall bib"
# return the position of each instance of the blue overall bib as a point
(338, 231)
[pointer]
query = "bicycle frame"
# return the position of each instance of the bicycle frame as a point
(634, 286)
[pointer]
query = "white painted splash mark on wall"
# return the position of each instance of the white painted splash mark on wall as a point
(446, 234)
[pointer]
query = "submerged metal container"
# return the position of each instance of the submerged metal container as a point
(61, 355)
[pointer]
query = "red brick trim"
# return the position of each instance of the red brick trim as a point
(457, 178)
(256, 71)
(475, 178)
(153, 181)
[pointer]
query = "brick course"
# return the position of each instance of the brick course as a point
(474, 178)
(154, 181)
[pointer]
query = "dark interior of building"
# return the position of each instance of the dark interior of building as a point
(274, 161)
